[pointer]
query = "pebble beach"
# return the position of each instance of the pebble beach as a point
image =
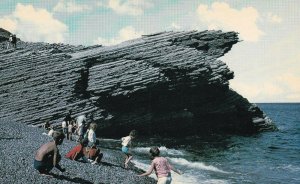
(19, 142)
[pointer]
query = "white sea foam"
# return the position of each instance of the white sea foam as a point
(163, 150)
(173, 152)
(141, 150)
(291, 168)
(176, 179)
(215, 181)
(197, 165)
(188, 176)
(110, 140)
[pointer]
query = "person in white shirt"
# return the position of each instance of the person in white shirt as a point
(70, 129)
(64, 126)
(80, 120)
(9, 42)
(126, 143)
(92, 135)
(51, 131)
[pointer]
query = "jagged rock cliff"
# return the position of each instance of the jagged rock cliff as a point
(4, 35)
(169, 83)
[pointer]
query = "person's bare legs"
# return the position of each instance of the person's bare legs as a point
(128, 160)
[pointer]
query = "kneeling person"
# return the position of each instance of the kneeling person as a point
(77, 152)
(93, 154)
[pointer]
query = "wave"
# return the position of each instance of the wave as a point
(215, 181)
(291, 168)
(190, 177)
(110, 140)
(196, 165)
(163, 151)
(176, 179)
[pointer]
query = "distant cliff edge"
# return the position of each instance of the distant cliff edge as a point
(169, 84)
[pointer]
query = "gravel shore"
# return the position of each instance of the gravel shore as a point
(19, 142)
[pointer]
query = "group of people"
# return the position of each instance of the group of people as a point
(159, 164)
(86, 150)
(47, 156)
(12, 41)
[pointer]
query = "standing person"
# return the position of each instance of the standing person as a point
(68, 117)
(14, 41)
(51, 131)
(80, 120)
(9, 42)
(47, 126)
(47, 156)
(70, 129)
(161, 166)
(64, 126)
(74, 128)
(92, 135)
(126, 143)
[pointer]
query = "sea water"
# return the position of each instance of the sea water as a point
(269, 157)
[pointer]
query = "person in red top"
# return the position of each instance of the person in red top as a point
(93, 154)
(77, 152)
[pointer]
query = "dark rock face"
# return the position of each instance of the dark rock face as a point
(169, 83)
(4, 35)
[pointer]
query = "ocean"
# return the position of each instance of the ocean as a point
(268, 157)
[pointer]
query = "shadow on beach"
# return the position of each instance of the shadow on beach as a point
(67, 178)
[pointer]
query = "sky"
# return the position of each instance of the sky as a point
(266, 62)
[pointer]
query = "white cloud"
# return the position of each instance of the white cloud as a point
(291, 81)
(33, 24)
(99, 4)
(8, 24)
(175, 26)
(70, 6)
(284, 88)
(259, 92)
(130, 7)
(126, 33)
(222, 16)
(273, 18)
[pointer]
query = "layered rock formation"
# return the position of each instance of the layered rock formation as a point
(4, 35)
(169, 83)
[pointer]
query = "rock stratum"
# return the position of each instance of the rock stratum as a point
(168, 84)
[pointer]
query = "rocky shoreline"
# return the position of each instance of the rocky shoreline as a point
(19, 142)
(166, 84)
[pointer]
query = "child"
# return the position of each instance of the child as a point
(77, 152)
(74, 128)
(93, 154)
(80, 124)
(70, 129)
(92, 135)
(126, 142)
(51, 131)
(64, 126)
(161, 166)
(47, 156)
(47, 126)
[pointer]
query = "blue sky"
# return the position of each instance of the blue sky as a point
(266, 63)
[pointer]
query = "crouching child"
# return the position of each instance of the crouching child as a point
(93, 154)
(47, 156)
